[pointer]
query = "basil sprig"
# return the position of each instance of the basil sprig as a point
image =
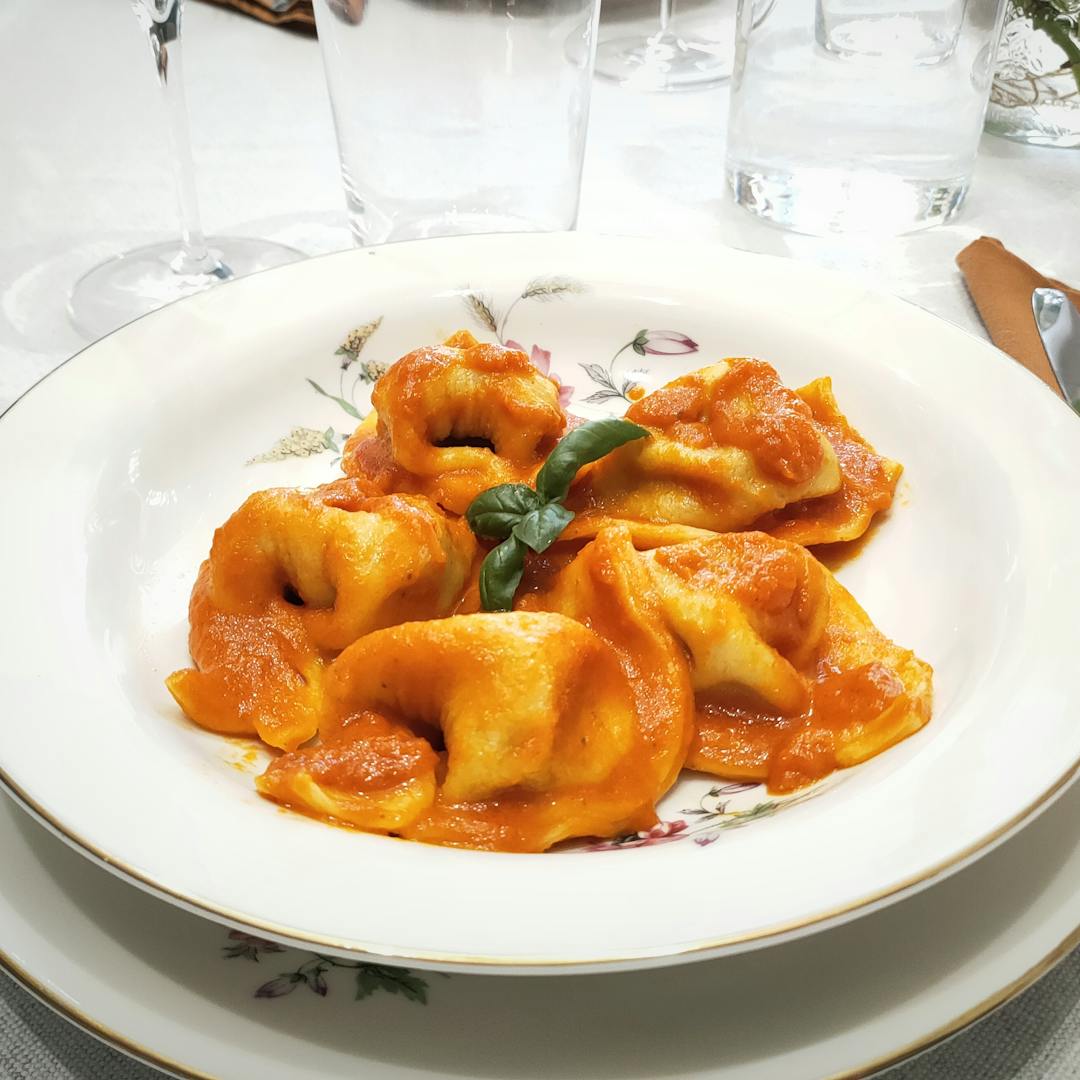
(533, 518)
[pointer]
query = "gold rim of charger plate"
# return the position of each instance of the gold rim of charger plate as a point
(939, 1035)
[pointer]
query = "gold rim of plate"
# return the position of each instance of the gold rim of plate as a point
(933, 1038)
(822, 920)
(294, 936)
(780, 930)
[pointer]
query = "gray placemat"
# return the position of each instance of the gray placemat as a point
(1035, 1037)
(36, 1044)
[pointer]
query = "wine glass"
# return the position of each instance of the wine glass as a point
(665, 60)
(139, 281)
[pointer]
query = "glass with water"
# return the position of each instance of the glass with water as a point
(858, 115)
(459, 116)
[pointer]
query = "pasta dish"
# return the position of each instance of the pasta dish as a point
(504, 627)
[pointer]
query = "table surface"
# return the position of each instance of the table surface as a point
(86, 174)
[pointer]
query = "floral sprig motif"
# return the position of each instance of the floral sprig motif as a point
(368, 978)
(542, 290)
(349, 350)
(707, 820)
(541, 360)
(366, 373)
(248, 947)
(300, 442)
(483, 312)
(304, 441)
(643, 343)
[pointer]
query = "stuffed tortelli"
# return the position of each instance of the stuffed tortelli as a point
(677, 621)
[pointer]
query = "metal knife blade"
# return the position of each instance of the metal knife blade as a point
(1059, 327)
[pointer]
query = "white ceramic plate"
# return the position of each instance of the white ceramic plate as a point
(119, 466)
(181, 993)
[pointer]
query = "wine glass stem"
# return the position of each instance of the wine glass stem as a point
(162, 21)
(665, 15)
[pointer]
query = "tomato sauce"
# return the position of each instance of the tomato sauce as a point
(789, 752)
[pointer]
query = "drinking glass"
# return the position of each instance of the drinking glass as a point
(669, 59)
(142, 280)
(858, 115)
(458, 116)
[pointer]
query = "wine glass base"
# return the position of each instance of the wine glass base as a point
(665, 61)
(141, 281)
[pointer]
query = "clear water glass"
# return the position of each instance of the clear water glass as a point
(459, 116)
(859, 115)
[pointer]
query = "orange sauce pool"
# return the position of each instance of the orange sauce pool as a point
(787, 753)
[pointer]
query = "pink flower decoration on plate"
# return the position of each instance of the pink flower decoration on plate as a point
(541, 360)
(664, 829)
(661, 833)
(664, 343)
(279, 987)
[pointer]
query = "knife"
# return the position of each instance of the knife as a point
(1059, 327)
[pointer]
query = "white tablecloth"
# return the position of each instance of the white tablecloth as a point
(84, 173)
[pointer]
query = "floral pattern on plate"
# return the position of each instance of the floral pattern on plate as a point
(355, 375)
(305, 441)
(644, 343)
(705, 822)
(312, 972)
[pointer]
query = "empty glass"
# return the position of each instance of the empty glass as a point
(459, 116)
(140, 281)
(858, 115)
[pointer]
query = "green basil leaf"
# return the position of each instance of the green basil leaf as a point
(500, 575)
(496, 511)
(539, 529)
(584, 444)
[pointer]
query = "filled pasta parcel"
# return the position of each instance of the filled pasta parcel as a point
(506, 629)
